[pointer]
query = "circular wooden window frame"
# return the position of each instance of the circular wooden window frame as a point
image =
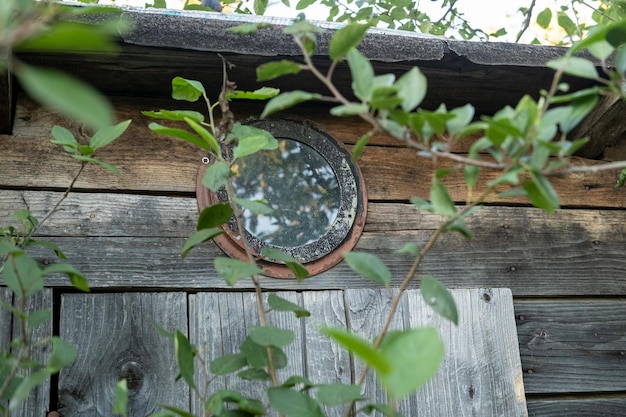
(346, 228)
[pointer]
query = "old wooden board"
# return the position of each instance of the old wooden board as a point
(558, 352)
(153, 164)
(38, 401)
(134, 241)
(481, 373)
(600, 406)
(116, 338)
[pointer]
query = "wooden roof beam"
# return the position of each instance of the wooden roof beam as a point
(604, 126)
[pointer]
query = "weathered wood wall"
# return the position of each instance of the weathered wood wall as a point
(566, 271)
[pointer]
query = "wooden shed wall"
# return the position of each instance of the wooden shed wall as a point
(566, 270)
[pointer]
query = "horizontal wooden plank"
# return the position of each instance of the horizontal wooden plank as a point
(115, 339)
(135, 241)
(150, 163)
(572, 346)
(577, 407)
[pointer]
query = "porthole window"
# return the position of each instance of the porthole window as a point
(315, 192)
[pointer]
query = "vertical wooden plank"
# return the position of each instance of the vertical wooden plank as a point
(115, 339)
(481, 373)
(6, 334)
(219, 324)
(325, 361)
(367, 311)
(38, 401)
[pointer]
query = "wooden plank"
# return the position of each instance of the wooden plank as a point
(38, 401)
(218, 326)
(115, 339)
(366, 312)
(150, 163)
(325, 361)
(570, 346)
(597, 406)
(582, 251)
(603, 126)
(481, 374)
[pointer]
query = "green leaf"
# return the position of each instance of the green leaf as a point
(216, 175)
(579, 109)
(276, 69)
(229, 363)
(50, 245)
(270, 336)
(197, 238)
(188, 90)
(410, 248)
(22, 274)
(108, 167)
(346, 39)
(412, 88)
(368, 266)
(176, 411)
(616, 34)
(185, 354)
(248, 28)
(294, 266)
(414, 356)
(263, 93)
(254, 206)
(26, 385)
(78, 280)
(361, 348)
(620, 60)
(204, 134)
(9, 248)
(439, 298)
(67, 95)
(64, 138)
(440, 200)
(337, 394)
(254, 374)
(287, 100)
(303, 4)
(108, 134)
(576, 66)
(541, 193)
(175, 115)
(257, 355)
(362, 74)
(462, 117)
(292, 381)
(74, 37)
(180, 134)
(215, 215)
(544, 18)
(280, 304)
(360, 145)
(249, 145)
(120, 405)
(62, 355)
(292, 403)
(37, 318)
(260, 6)
(233, 270)
(352, 109)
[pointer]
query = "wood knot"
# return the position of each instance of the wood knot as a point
(133, 373)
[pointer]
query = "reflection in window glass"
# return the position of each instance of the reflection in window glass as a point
(300, 187)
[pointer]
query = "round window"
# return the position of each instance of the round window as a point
(315, 193)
